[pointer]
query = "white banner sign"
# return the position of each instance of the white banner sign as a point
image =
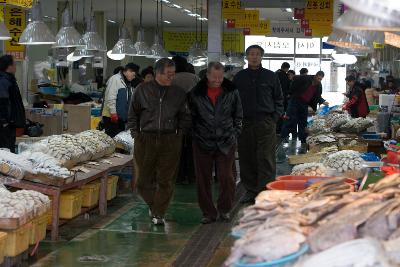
(307, 46)
(271, 45)
(286, 30)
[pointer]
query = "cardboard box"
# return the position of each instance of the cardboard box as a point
(78, 118)
(52, 119)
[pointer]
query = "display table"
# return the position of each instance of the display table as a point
(118, 163)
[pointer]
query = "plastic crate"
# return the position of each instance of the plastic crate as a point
(3, 240)
(91, 193)
(70, 203)
(112, 183)
(17, 240)
(38, 232)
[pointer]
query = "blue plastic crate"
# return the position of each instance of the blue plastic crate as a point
(48, 90)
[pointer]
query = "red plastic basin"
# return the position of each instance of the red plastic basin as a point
(307, 178)
(294, 185)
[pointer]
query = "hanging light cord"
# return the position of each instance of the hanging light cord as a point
(123, 23)
(157, 18)
(141, 12)
(195, 17)
(201, 22)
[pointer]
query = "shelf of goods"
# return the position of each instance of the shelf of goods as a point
(57, 164)
(327, 224)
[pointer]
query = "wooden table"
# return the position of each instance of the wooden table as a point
(99, 172)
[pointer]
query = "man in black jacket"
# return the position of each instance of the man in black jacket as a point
(306, 91)
(217, 121)
(157, 118)
(262, 102)
(12, 111)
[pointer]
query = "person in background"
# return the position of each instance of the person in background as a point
(158, 117)
(137, 79)
(186, 81)
(148, 74)
(291, 74)
(285, 85)
(118, 69)
(12, 111)
(303, 71)
(116, 100)
(391, 87)
(306, 91)
(217, 121)
(262, 101)
(357, 105)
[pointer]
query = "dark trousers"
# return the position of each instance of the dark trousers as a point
(156, 161)
(8, 138)
(257, 154)
(204, 162)
(298, 114)
(186, 166)
(113, 128)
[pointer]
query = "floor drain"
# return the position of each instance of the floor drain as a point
(93, 258)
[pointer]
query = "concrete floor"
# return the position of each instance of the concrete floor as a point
(127, 238)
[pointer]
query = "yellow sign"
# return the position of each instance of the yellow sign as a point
(264, 28)
(15, 22)
(249, 19)
(319, 7)
(231, 8)
(182, 41)
(20, 3)
(379, 46)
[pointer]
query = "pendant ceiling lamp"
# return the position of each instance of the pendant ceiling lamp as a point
(142, 49)
(354, 20)
(348, 40)
(67, 36)
(197, 55)
(4, 33)
(124, 46)
(384, 9)
(91, 39)
(83, 52)
(37, 32)
(157, 49)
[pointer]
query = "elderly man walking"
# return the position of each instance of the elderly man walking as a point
(157, 118)
(217, 121)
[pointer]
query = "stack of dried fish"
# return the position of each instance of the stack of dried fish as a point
(327, 187)
(46, 164)
(125, 140)
(345, 160)
(356, 125)
(318, 126)
(14, 165)
(309, 169)
(321, 139)
(336, 120)
(97, 144)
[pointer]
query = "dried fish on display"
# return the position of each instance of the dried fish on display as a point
(13, 165)
(321, 139)
(309, 169)
(318, 126)
(46, 164)
(336, 120)
(345, 160)
(356, 125)
(125, 140)
(97, 144)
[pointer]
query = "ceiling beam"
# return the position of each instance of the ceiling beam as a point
(273, 3)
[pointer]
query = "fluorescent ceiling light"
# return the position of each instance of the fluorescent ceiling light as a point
(168, 22)
(115, 56)
(166, 1)
(289, 10)
(111, 21)
(187, 10)
(204, 19)
(176, 6)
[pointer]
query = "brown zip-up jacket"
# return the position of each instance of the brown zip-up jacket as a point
(158, 109)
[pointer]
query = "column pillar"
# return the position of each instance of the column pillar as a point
(214, 30)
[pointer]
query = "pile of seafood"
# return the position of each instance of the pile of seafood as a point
(23, 204)
(356, 125)
(321, 139)
(336, 227)
(46, 164)
(336, 120)
(345, 160)
(125, 140)
(309, 169)
(97, 144)
(13, 165)
(318, 126)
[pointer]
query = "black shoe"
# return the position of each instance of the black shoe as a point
(224, 217)
(206, 220)
(158, 221)
(248, 198)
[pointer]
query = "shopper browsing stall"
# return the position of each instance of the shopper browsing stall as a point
(217, 121)
(157, 118)
(357, 104)
(116, 100)
(306, 91)
(12, 111)
(262, 101)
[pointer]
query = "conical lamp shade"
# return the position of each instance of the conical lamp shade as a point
(81, 52)
(115, 56)
(384, 9)
(348, 40)
(67, 36)
(4, 33)
(236, 60)
(141, 47)
(91, 39)
(37, 32)
(124, 46)
(72, 58)
(197, 56)
(157, 49)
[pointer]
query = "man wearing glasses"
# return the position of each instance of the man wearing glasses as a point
(157, 118)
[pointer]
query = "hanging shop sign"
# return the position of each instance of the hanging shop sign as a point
(317, 17)
(263, 28)
(180, 42)
(286, 30)
(15, 23)
(271, 45)
(379, 46)
(19, 3)
(246, 19)
(231, 9)
(308, 46)
(312, 64)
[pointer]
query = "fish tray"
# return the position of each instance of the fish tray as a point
(276, 263)
(304, 158)
(49, 179)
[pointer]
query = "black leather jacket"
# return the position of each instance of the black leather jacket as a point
(216, 127)
(158, 109)
(12, 109)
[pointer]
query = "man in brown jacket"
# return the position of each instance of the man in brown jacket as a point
(157, 118)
